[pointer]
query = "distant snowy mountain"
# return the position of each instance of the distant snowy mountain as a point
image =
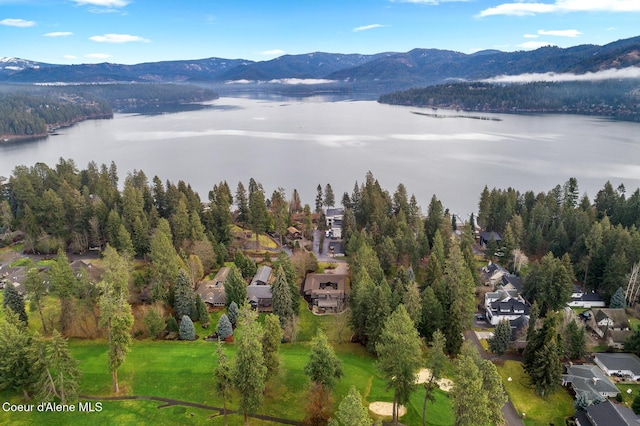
(9, 65)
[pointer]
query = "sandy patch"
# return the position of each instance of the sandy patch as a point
(386, 409)
(424, 376)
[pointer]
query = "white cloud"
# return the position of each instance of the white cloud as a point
(11, 22)
(103, 3)
(272, 52)
(630, 72)
(70, 57)
(560, 33)
(562, 6)
(98, 56)
(368, 27)
(117, 38)
(530, 36)
(530, 45)
(58, 34)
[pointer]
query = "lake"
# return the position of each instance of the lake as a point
(302, 143)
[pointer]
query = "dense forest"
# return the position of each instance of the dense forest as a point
(615, 98)
(29, 116)
(32, 111)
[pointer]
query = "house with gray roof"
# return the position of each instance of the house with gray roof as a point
(583, 299)
(212, 292)
(607, 414)
(326, 291)
(589, 380)
(259, 291)
(505, 304)
(604, 319)
(624, 365)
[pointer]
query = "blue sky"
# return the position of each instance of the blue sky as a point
(134, 31)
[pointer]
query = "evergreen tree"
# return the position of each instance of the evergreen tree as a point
(575, 340)
(172, 324)
(379, 308)
(63, 283)
(635, 406)
(329, 197)
(542, 358)
(400, 356)
(436, 362)
(164, 259)
(115, 311)
(154, 322)
(249, 371)
(59, 374)
(184, 296)
(492, 385)
(351, 412)
(281, 296)
(223, 379)
(17, 368)
(323, 368)
(581, 402)
(242, 202)
(37, 291)
(468, 398)
(271, 344)
(224, 328)
(232, 313)
(319, 199)
(187, 330)
(235, 289)
(203, 312)
(499, 343)
(618, 300)
(258, 215)
(13, 300)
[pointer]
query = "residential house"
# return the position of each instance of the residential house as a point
(505, 304)
(492, 274)
(15, 276)
(624, 365)
(616, 338)
(589, 380)
(608, 319)
(511, 282)
(293, 233)
(486, 236)
(212, 292)
(607, 414)
(336, 249)
(334, 218)
(585, 300)
(259, 291)
(326, 291)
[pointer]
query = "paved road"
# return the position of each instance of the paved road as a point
(508, 410)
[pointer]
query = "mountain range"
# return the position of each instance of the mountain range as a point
(389, 70)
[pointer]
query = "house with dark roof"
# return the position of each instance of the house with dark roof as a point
(334, 217)
(590, 381)
(624, 365)
(604, 319)
(327, 291)
(511, 282)
(616, 338)
(492, 274)
(259, 291)
(212, 292)
(505, 304)
(607, 414)
(336, 249)
(293, 233)
(586, 299)
(486, 236)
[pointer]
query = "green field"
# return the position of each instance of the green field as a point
(183, 371)
(539, 411)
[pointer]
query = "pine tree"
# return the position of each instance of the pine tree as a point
(63, 283)
(60, 376)
(37, 291)
(154, 322)
(184, 296)
(400, 356)
(115, 311)
(17, 368)
(351, 412)
(281, 296)
(319, 199)
(575, 340)
(432, 318)
(329, 197)
(323, 368)
(618, 300)
(235, 289)
(271, 344)
(436, 362)
(223, 379)
(232, 313)
(13, 300)
(224, 328)
(164, 259)
(203, 312)
(187, 330)
(249, 371)
(499, 343)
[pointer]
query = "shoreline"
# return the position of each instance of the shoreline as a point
(51, 129)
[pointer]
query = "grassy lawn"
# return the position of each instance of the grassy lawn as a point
(264, 240)
(627, 398)
(540, 411)
(183, 371)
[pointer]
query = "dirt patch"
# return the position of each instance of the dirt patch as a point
(385, 409)
(424, 376)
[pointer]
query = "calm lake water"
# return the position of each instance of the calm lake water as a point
(299, 144)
